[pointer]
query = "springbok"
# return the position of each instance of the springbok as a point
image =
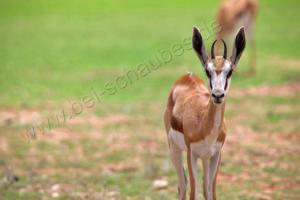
(233, 14)
(194, 116)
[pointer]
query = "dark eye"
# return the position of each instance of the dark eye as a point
(229, 73)
(207, 73)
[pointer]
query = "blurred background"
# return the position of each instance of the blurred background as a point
(84, 84)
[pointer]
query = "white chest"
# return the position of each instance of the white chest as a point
(203, 149)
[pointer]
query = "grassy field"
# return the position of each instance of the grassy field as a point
(55, 54)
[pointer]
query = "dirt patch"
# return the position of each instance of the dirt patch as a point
(116, 167)
(290, 89)
(93, 121)
(261, 144)
(59, 134)
(99, 122)
(22, 117)
(117, 141)
(3, 146)
(242, 177)
(260, 150)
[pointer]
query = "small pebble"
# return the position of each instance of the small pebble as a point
(160, 184)
(55, 194)
(55, 187)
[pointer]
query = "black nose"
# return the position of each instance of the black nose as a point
(218, 96)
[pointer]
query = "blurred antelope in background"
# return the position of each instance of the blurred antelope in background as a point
(194, 116)
(233, 14)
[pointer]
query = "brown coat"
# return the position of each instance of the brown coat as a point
(190, 110)
(231, 11)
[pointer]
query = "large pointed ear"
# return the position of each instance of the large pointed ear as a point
(238, 46)
(198, 46)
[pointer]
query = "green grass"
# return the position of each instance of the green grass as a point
(57, 50)
(53, 53)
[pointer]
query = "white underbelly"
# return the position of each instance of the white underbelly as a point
(202, 149)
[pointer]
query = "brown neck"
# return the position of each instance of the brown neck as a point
(215, 114)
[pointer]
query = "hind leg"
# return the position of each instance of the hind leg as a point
(176, 156)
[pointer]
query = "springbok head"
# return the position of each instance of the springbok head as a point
(219, 68)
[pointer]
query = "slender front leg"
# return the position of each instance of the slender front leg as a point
(192, 165)
(213, 171)
(176, 156)
(206, 182)
(210, 168)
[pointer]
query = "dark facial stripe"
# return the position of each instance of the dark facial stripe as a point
(207, 73)
(226, 84)
(227, 77)
(209, 77)
(229, 73)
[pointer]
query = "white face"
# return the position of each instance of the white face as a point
(219, 68)
(219, 80)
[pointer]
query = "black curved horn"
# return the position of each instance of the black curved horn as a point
(212, 50)
(225, 50)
